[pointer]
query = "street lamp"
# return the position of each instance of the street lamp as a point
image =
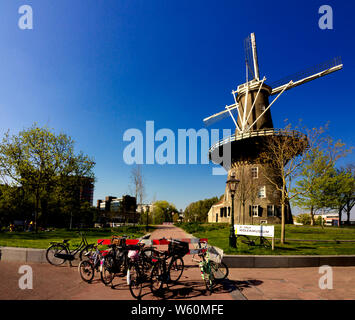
(232, 184)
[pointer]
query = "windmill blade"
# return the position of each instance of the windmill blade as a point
(251, 57)
(221, 115)
(248, 52)
(308, 75)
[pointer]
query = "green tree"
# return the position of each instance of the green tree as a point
(315, 175)
(15, 204)
(339, 192)
(349, 194)
(285, 155)
(162, 212)
(198, 211)
(39, 161)
(304, 218)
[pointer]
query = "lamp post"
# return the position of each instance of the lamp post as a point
(232, 184)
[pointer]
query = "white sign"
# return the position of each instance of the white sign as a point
(250, 230)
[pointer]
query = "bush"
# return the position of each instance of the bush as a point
(194, 227)
(304, 218)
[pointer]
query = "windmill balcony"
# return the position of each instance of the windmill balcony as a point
(257, 133)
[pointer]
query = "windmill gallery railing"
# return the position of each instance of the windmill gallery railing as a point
(257, 133)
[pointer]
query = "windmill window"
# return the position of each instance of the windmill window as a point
(270, 210)
(262, 192)
(262, 108)
(255, 211)
(254, 172)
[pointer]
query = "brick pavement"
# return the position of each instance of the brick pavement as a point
(293, 283)
(64, 283)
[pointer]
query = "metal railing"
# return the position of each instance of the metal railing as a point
(257, 133)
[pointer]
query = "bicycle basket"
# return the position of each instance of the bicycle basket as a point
(215, 254)
(178, 248)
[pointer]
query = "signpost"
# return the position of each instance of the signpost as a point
(256, 230)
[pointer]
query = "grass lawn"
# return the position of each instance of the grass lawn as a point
(42, 239)
(218, 235)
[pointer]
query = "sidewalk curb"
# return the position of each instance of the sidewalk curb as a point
(248, 261)
(23, 254)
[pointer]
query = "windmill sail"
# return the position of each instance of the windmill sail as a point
(251, 58)
(221, 115)
(307, 75)
(248, 51)
(250, 110)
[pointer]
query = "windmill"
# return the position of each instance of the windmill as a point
(251, 115)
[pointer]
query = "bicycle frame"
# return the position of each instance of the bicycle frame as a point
(83, 244)
(96, 257)
(205, 265)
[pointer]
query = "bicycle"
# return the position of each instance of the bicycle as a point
(220, 269)
(88, 267)
(211, 266)
(59, 252)
(259, 241)
(167, 273)
(116, 262)
(140, 263)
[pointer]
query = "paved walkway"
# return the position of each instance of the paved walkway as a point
(64, 283)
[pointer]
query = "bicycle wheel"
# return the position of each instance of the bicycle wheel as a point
(176, 268)
(86, 270)
(243, 242)
(156, 278)
(263, 242)
(220, 270)
(105, 271)
(207, 276)
(135, 281)
(86, 252)
(53, 250)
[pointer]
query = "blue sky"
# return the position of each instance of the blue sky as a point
(94, 69)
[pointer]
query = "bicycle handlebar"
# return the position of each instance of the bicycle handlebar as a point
(170, 240)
